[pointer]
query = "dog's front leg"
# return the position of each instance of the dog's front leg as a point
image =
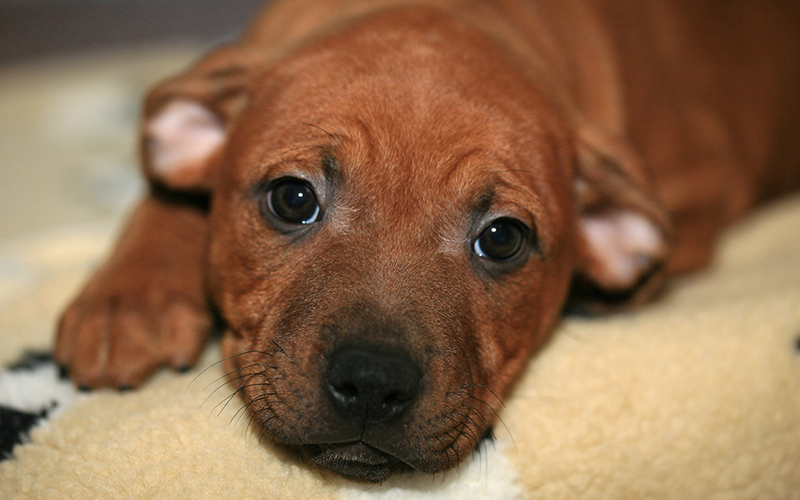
(146, 306)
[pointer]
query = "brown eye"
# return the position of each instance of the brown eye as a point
(293, 201)
(502, 240)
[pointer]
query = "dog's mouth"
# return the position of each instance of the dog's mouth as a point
(357, 461)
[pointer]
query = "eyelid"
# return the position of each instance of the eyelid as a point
(275, 177)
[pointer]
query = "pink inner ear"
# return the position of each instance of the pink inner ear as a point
(181, 138)
(624, 245)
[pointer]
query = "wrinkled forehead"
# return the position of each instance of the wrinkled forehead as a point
(400, 107)
(407, 74)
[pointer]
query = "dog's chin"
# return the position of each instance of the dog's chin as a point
(356, 461)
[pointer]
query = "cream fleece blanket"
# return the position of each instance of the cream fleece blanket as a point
(695, 397)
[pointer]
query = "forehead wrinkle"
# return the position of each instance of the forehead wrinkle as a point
(305, 165)
(289, 144)
(515, 193)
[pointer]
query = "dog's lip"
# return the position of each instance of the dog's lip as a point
(354, 460)
(357, 452)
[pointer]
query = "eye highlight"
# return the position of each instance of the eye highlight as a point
(293, 201)
(502, 240)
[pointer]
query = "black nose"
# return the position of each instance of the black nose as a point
(370, 385)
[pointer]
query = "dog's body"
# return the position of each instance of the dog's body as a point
(403, 194)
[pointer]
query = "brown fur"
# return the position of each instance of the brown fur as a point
(418, 123)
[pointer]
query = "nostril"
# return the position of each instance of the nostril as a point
(396, 402)
(399, 396)
(394, 397)
(346, 390)
(370, 384)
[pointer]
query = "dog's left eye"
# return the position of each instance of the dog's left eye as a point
(293, 201)
(502, 240)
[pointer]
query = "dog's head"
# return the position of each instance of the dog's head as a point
(397, 217)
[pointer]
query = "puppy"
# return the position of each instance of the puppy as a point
(389, 203)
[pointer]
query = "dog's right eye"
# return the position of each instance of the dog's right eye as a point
(293, 201)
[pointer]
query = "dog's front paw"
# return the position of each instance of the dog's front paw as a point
(121, 329)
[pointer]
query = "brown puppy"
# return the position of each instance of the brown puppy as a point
(403, 194)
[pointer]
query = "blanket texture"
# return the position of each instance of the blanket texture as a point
(694, 397)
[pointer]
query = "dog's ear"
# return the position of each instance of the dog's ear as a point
(187, 118)
(624, 231)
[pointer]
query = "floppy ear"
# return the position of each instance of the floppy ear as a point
(187, 119)
(624, 231)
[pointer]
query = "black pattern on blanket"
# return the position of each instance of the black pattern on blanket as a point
(32, 391)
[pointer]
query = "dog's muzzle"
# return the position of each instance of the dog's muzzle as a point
(369, 387)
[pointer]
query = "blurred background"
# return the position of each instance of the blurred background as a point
(72, 73)
(72, 77)
(36, 28)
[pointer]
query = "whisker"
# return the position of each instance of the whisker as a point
(491, 408)
(205, 401)
(253, 415)
(499, 419)
(229, 398)
(454, 446)
(473, 438)
(222, 385)
(264, 429)
(212, 365)
(250, 427)
(482, 386)
(237, 370)
(480, 413)
(243, 408)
